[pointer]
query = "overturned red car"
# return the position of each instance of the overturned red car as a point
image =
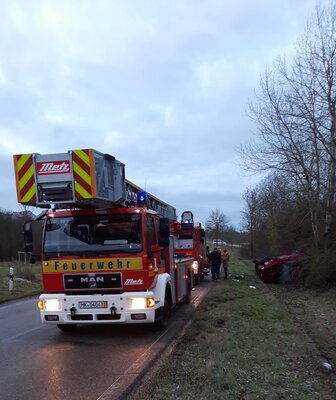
(289, 268)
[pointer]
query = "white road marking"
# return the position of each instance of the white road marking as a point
(114, 389)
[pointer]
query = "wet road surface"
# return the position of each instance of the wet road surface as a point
(93, 362)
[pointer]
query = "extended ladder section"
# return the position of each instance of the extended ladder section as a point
(82, 178)
(137, 196)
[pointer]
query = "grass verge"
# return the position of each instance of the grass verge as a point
(27, 281)
(242, 344)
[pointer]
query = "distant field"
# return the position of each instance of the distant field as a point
(27, 280)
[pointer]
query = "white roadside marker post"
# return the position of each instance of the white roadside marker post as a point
(11, 280)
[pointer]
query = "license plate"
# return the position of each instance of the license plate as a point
(92, 304)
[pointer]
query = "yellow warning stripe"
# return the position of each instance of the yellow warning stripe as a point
(29, 195)
(83, 170)
(82, 191)
(84, 175)
(22, 160)
(25, 178)
(83, 156)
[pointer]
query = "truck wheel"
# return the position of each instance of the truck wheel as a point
(187, 297)
(66, 327)
(196, 279)
(162, 323)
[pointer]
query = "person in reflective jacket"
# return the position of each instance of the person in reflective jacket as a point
(225, 261)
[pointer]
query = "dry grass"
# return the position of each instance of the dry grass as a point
(313, 310)
(243, 344)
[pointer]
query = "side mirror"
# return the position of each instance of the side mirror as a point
(32, 235)
(164, 231)
(28, 237)
(164, 228)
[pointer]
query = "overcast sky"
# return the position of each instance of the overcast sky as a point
(161, 85)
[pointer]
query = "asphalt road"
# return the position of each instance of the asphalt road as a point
(92, 363)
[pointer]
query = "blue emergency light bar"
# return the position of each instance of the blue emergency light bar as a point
(141, 198)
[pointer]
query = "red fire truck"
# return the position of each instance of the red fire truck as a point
(190, 243)
(106, 250)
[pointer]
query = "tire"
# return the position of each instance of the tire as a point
(196, 279)
(66, 327)
(162, 322)
(187, 297)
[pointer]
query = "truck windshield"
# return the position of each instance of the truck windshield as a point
(94, 234)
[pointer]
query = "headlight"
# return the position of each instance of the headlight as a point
(139, 303)
(195, 267)
(50, 305)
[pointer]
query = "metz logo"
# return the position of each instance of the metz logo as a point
(53, 167)
(133, 282)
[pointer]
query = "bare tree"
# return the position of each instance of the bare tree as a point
(250, 215)
(294, 111)
(216, 224)
(275, 219)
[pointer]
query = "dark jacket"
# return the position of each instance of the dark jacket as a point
(215, 258)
